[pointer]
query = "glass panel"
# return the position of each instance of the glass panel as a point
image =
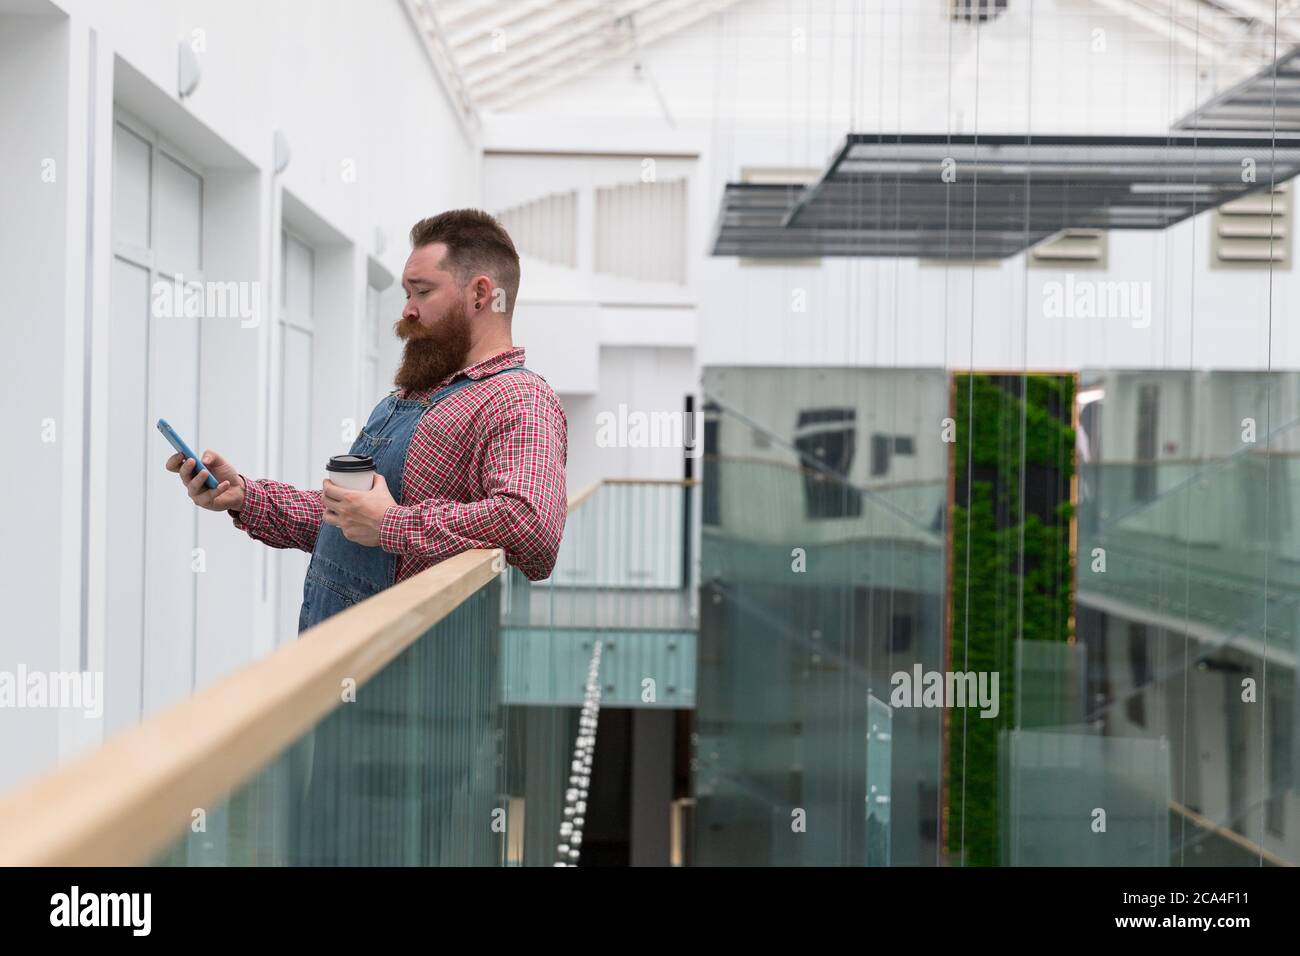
(1188, 593)
(880, 748)
(1078, 799)
(411, 773)
(820, 582)
(625, 562)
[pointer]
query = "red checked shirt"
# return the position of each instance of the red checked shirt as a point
(485, 469)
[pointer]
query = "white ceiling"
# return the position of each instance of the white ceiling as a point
(1218, 30)
(496, 54)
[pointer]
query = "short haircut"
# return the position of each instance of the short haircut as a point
(476, 245)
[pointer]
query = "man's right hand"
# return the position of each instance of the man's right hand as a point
(229, 493)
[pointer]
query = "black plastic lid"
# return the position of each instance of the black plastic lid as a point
(351, 463)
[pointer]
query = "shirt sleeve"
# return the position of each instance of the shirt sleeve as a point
(279, 515)
(522, 474)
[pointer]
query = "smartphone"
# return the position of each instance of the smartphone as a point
(175, 440)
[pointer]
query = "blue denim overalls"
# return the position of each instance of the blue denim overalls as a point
(342, 572)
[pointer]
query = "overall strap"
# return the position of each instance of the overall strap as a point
(466, 382)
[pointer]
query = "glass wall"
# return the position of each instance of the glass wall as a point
(822, 574)
(1187, 596)
(998, 619)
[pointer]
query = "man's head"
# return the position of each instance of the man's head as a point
(460, 281)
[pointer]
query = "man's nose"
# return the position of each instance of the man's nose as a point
(410, 311)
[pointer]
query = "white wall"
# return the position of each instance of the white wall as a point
(375, 146)
(646, 379)
(38, 430)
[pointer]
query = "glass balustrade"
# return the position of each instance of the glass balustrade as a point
(1145, 711)
(892, 653)
(822, 574)
(408, 769)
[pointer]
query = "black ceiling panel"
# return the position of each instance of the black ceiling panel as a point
(888, 195)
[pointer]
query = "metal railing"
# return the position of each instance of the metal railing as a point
(584, 749)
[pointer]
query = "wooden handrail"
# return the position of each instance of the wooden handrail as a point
(1224, 459)
(587, 492)
(127, 801)
(583, 495)
(683, 482)
(874, 487)
(1205, 823)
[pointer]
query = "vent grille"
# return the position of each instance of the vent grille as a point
(545, 228)
(1071, 247)
(641, 231)
(1254, 230)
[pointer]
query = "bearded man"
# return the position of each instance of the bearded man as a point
(469, 450)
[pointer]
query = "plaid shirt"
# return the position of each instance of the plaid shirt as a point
(485, 469)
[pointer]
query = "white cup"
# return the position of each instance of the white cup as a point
(356, 472)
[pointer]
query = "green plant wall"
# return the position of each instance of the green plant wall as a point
(1011, 572)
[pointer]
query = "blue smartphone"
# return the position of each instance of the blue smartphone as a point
(175, 440)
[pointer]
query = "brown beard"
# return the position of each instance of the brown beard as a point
(431, 355)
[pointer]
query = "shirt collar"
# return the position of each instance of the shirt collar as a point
(510, 358)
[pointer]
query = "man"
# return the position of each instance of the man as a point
(472, 444)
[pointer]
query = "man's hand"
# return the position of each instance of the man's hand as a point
(358, 514)
(229, 493)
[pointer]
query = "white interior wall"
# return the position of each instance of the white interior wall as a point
(230, 377)
(154, 372)
(646, 380)
(36, 260)
(375, 145)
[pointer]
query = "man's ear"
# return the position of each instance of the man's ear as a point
(482, 293)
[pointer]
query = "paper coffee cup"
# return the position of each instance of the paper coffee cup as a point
(351, 471)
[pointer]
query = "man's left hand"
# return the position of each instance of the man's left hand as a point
(358, 514)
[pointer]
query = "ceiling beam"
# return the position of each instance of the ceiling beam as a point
(429, 30)
(554, 26)
(647, 34)
(507, 19)
(1162, 25)
(596, 16)
(456, 16)
(569, 52)
(1263, 13)
(1200, 17)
